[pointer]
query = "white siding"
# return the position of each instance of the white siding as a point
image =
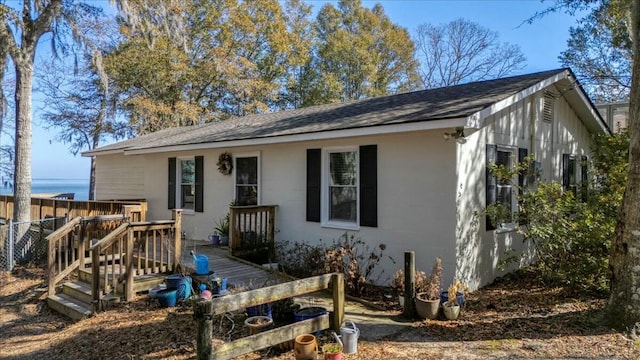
(119, 177)
(479, 252)
(416, 195)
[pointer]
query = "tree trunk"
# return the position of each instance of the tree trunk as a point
(92, 179)
(22, 163)
(624, 262)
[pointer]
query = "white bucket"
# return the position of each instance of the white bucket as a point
(349, 337)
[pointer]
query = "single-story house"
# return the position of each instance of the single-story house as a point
(407, 170)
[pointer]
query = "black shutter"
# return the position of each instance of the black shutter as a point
(522, 176)
(492, 153)
(199, 205)
(566, 181)
(369, 185)
(313, 184)
(584, 176)
(171, 195)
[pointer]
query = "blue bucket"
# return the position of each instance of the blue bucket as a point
(444, 297)
(219, 286)
(202, 264)
(180, 283)
(167, 297)
(309, 313)
(260, 310)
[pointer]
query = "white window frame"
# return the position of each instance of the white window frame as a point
(255, 154)
(324, 191)
(513, 152)
(179, 204)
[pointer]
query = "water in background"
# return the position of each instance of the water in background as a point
(79, 187)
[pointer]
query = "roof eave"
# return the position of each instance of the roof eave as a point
(322, 135)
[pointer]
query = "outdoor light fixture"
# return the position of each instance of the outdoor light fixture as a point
(458, 135)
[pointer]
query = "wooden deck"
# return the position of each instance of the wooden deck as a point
(238, 272)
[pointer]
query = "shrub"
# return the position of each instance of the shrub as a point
(430, 285)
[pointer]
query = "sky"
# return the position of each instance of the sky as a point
(541, 42)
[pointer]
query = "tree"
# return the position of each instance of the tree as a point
(624, 301)
(463, 51)
(359, 53)
(600, 53)
(623, 306)
(229, 58)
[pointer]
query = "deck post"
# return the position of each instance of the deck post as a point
(177, 236)
(337, 287)
(233, 237)
(51, 266)
(203, 314)
(409, 284)
(129, 293)
(95, 278)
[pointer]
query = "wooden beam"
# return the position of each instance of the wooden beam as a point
(409, 310)
(269, 294)
(337, 285)
(268, 338)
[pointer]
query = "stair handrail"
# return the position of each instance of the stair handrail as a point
(97, 248)
(52, 239)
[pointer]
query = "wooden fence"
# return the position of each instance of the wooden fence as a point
(205, 310)
(42, 207)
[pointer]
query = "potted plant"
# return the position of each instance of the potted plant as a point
(451, 307)
(397, 286)
(333, 350)
(222, 228)
(428, 291)
(258, 323)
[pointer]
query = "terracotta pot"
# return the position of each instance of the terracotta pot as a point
(330, 351)
(257, 324)
(305, 347)
(427, 309)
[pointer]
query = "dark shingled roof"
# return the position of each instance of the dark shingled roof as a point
(427, 105)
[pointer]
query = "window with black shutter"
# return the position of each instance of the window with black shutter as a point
(185, 184)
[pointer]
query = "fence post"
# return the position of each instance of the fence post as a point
(337, 287)
(202, 313)
(177, 236)
(409, 284)
(11, 244)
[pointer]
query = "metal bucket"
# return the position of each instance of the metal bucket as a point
(349, 336)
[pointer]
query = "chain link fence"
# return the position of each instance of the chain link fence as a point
(30, 247)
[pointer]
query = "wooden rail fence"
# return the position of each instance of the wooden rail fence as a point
(43, 207)
(205, 310)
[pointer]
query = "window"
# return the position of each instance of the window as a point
(503, 193)
(187, 178)
(185, 190)
(246, 178)
(570, 168)
(342, 186)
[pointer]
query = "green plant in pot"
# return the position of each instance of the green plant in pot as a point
(222, 228)
(428, 291)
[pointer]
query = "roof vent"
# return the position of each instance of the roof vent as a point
(547, 111)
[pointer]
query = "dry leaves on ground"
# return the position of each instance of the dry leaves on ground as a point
(514, 318)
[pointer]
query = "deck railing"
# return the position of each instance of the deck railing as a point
(43, 207)
(252, 229)
(68, 244)
(205, 310)
(134, 248)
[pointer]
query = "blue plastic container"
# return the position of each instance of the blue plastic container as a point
(202, 264)
(260, 310)
(309, 313)
(444, 297)
(180, 283)
(167, 297)
(219, 286)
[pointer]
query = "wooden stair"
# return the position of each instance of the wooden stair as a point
(75, 300)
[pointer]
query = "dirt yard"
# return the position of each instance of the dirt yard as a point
(510, 319)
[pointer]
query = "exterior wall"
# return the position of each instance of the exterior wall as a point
(480, 252)
(119, 177)
(416, 209)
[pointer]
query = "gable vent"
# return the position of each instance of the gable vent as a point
(547, 111)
